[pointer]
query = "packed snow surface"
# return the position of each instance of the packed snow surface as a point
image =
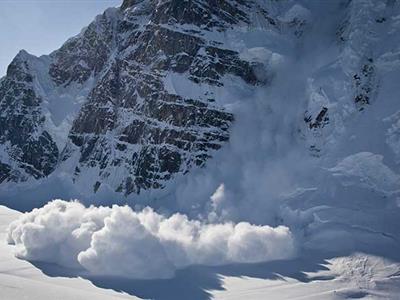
(310, 277)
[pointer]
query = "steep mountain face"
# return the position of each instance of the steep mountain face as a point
(133, 131)
(133, 99)
(133, 128)
(28, 150)
(278, 113)
(149, 90)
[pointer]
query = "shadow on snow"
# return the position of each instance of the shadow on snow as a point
(196, 282)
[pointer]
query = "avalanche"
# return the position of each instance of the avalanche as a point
(269, 132)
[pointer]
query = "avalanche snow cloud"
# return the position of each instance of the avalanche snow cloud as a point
(118, 241)
(316, 149)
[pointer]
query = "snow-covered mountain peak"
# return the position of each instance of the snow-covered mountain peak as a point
(278, 113)
(149, 92)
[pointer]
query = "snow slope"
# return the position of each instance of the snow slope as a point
(352, 277)
(312, 277)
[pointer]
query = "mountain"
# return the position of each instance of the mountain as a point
(128, 102)
(154, 91)
(133, 99)
(254, 130)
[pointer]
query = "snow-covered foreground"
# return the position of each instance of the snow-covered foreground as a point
(20, 279)
(355, 276)
(313, 277)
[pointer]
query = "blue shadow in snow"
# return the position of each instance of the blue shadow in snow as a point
(196, 282)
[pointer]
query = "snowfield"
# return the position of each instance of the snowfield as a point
(310, 277)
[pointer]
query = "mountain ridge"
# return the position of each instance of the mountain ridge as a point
(141, 98)
(90, 58)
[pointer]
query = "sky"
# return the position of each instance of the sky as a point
(41, 26)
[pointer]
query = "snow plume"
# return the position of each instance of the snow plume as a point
(269, 155)
(264, 160)
(118, 241)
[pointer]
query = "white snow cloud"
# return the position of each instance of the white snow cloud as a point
(266, 158)
(118, 241)
(56, 232)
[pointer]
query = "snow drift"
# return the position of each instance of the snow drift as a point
(118, 241)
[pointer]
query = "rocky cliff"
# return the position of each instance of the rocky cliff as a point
(146, 91)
